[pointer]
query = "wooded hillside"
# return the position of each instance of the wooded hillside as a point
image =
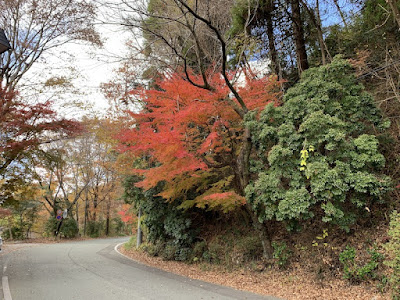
(262, 134)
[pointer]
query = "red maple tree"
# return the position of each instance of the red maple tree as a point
(191, 136)
(24, 126)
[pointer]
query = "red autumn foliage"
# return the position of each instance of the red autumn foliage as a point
(25, 126)
(126, 215)
(186, 130)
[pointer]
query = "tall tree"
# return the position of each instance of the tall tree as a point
(195, 140)
(314, 14)
(192, 15)
(36, 26)
(298, 35)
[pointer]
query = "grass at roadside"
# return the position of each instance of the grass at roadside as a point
(131, 243)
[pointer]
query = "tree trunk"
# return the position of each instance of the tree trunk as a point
(86, 214)
(271, 39)
(108, 217)
(10, 228)
(298, 32)
(77, 217)
(243, 172)
(263, 234)
(316, 20)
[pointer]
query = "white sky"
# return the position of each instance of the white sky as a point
(97, 65)
(92, 65)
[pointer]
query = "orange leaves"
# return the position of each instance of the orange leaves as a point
(259, 92)
(126, 214)
(183, 129)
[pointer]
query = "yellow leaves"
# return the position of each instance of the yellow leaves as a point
(58, 81)
(182, 184)
(321, 238)
(324, 234)
(216, 197)
(304, 155)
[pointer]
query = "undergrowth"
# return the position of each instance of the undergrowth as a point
(393, 254)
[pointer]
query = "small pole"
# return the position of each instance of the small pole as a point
(139, 230)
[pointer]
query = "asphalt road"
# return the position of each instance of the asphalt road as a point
(93, 270)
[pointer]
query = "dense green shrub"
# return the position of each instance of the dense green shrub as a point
(69, 227)
(393, 250)
(281, 253)
(131, 243)
(249, 247)
(184, 254)
(318, 151)
(163, 220)
(17, 233)
(153, 249)
(358, 272)
(199, 249)
(95, 228)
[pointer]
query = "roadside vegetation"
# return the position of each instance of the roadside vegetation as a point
(251, 136)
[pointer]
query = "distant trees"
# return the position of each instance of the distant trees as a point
(79, 175)
(33, 29)
(98, 161)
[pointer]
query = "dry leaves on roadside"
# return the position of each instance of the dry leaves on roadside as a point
(295, 284)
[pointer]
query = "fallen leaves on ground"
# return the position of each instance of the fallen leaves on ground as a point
(286, 284)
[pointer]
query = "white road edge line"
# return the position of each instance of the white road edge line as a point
(6, 288)
(116, 250)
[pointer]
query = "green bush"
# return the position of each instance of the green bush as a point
(393, 254)
(69, 227)
(183, 254)
(216, 253)
(163, 220)
(247, 248)
(17, 233)
(95, 229)
(318, 151)
(169, 251)
(281, 254)
(153, 249)
(198, 250)
(356, 272)
(131, 243)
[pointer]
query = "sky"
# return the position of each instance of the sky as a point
(91, 66)
(96, 65)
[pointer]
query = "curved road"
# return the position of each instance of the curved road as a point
(92, 269)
